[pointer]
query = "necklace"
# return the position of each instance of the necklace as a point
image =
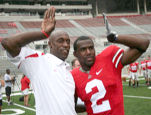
(89, 76)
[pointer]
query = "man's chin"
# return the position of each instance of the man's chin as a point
(64, 58)
(90, 64)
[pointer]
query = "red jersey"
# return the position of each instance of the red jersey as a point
(134, 67)
(143, 64)
(25, 83)
(148, 63)
(101, 89)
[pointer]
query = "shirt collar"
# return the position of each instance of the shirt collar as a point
(58, 61)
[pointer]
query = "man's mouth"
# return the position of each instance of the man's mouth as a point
(65, 51)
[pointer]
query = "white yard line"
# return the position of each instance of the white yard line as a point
(21, 106)
(15, 94)
(124, 84)
(141, 97)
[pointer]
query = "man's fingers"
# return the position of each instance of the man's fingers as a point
(53, 12)
(45, 16)
(49, 12)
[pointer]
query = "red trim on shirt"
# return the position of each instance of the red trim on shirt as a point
(32, 55)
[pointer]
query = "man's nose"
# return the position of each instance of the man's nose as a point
(88, 51)
(65, 44)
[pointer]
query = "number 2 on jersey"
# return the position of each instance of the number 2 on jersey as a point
(105, 106)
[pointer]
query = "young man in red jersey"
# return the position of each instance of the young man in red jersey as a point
(98, 80)
(143, 69)
(148, 64)
(133, 67)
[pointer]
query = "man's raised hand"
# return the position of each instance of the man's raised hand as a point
(49, 22)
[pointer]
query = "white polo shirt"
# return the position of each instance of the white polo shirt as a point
(7, 77)
(52, 81)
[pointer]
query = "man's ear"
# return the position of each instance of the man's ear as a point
(50, 44)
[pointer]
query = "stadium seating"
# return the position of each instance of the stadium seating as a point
(93, 27)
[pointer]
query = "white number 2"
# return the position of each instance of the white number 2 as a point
(105, 106)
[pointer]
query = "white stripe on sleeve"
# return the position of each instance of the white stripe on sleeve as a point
(118, 60)
(116, 55)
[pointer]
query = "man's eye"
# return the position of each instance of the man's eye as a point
(83, 49)
(60, 40)
(91, 48)
(68, 41)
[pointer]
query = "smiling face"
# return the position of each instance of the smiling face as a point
(59, 43)
(85, 53)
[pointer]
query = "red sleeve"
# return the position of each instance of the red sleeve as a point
(114, 53)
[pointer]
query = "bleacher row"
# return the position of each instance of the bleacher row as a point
(94, 27)
(91, 22)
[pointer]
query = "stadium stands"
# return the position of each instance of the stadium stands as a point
(93, 27)
(39, 9)
(6, 25)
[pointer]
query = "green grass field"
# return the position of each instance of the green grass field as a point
(18, 105)
(137, 101)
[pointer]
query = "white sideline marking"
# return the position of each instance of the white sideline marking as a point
(149, 87)
(17, 111)
(135, 26)
(15, 94)
(138, 86)
(21, 106)
(142, 97)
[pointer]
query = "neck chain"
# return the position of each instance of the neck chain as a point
(89, 76)
(84, 70)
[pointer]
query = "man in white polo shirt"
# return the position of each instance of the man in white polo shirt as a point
(8, 85)
(49, 73)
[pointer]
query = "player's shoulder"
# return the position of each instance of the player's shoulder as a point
(111, 54)
(76, 73)
(111, 51)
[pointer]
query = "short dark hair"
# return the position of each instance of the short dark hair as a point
(7, 70)
(78, 39)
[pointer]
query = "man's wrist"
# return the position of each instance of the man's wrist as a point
(116, 37)
(45, 34)
(112, 37)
